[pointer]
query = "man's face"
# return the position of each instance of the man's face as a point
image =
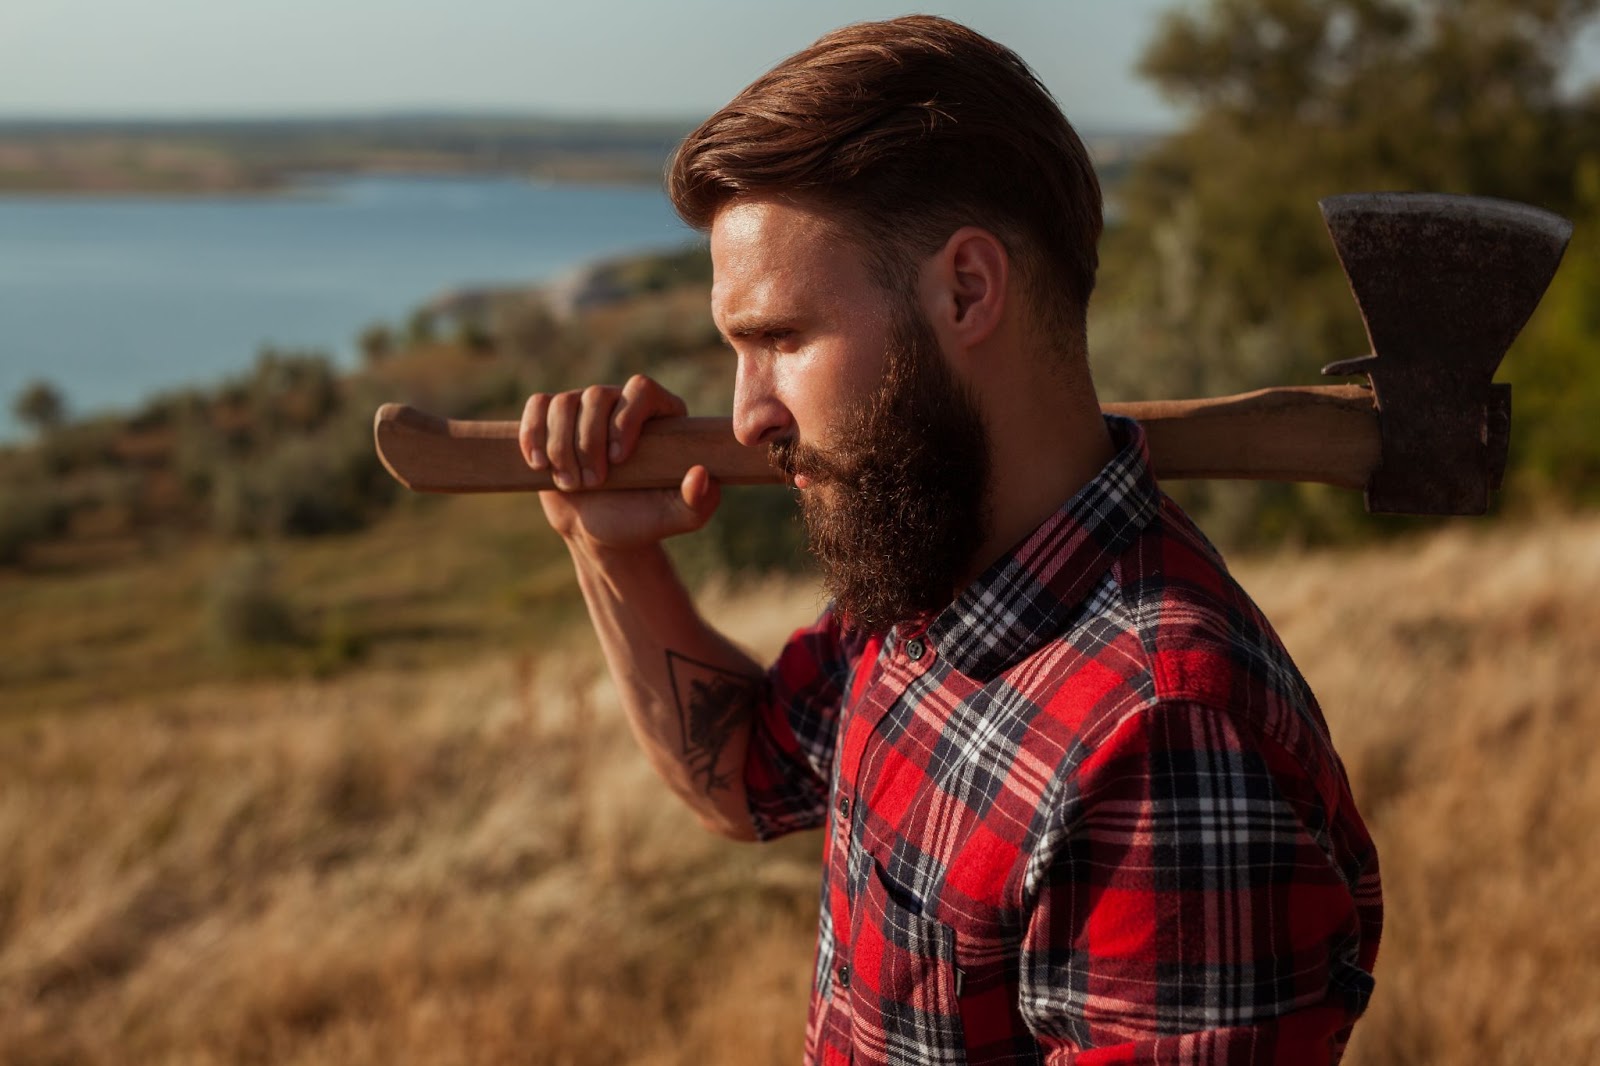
(850, 389)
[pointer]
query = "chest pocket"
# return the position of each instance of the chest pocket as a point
(904, 995)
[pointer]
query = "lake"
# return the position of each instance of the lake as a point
(112, 299)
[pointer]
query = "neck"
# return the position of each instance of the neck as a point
(1047, 440)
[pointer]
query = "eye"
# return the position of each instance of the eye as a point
(784, 340)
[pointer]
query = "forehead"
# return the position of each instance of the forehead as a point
(774, 256)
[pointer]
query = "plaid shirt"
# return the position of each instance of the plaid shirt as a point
(1090, 812)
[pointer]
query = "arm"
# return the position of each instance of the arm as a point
(1191, 904)
(689, 694)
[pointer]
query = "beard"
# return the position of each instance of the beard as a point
(898, 507)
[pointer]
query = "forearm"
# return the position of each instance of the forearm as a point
(689, 694)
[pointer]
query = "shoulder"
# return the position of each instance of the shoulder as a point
(1179, 630)
(1173, 652)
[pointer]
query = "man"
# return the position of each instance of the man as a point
(1080, 805)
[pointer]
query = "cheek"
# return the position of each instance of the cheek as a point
(808, 390)
(820, 388)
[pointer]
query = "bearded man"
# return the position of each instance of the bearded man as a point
(1080, 805)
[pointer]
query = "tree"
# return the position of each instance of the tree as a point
(376, 342)
(40, 406)
(1292, 100)
(421, 327)
(1555, 446)
(1221, 277)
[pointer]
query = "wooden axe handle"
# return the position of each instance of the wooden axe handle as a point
(1326, 433)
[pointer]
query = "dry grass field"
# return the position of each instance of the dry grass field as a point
(467, 862)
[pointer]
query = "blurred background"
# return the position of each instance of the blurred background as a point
(298, 767)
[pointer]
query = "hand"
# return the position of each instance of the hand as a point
(578, 435)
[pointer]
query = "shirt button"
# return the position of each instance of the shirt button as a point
(844, 977)
(915, 648)
(844, 806)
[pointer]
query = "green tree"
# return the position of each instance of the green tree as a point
(1221, 277)
(40, 406)
(377, 343)
(1555, 441)
(422, 327)
(1293, 100)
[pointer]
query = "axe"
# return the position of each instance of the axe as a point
(1444, 284)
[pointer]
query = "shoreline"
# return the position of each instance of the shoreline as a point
(289, 294)
(295, 186)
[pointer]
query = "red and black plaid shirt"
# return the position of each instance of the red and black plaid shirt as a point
(1089, 813)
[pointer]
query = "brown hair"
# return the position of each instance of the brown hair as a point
(910, 129)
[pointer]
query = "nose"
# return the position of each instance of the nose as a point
(759, 417)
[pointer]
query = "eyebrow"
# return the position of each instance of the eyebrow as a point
(757, 324)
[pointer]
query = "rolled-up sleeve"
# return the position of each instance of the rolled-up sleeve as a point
(1186, 905)
(790, 756)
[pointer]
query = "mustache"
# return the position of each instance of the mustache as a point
(794, 458)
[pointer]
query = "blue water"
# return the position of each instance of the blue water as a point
(115, 299)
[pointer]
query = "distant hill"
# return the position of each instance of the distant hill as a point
(219, 156)
(251, 155)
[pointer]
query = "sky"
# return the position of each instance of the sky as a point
(666, 58)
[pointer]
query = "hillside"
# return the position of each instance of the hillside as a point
(229, 156)
(463, 859)
(247, 528)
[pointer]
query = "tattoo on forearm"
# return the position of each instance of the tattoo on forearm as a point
(712, 704)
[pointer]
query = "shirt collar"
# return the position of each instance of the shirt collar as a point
(1028, 596)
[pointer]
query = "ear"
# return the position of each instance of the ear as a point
(965, 285)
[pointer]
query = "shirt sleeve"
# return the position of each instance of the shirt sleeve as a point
(790, 757)
(1189, 905)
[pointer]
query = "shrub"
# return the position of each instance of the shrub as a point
(327, 483)
(28, 514)
(80, 446)
(421, 327)
(246, 609)
(527, 329)
(377, 343)
(474, 336)
(292, 390)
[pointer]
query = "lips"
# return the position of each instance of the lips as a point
(783, 455)
(803, 467)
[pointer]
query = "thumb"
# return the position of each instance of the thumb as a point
(695, 501)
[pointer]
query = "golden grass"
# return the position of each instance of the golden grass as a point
(438, 579)
(470, 863)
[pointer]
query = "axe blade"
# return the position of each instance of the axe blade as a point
(1444, 283)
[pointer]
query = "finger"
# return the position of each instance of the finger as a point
(531, 431)
(696, 500)
(594, 423)
(561, 440)
(642, 400)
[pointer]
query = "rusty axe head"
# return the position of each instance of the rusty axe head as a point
(1445, 284)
